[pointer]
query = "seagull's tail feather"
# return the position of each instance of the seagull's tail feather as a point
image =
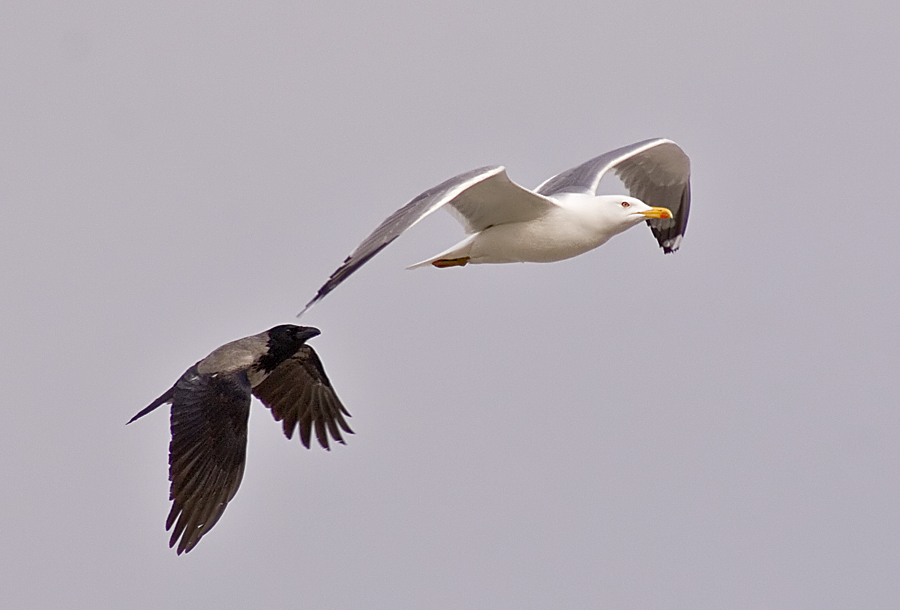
(460, 250)
(424, 263)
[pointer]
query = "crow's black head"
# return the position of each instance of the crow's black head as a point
(284, 341)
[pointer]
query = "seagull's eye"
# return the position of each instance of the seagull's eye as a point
(625, 204)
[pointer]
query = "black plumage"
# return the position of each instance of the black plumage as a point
(210, 410)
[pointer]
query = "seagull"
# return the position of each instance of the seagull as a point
(561, 218)
(210, 409)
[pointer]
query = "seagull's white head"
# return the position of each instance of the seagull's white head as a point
(624, 212)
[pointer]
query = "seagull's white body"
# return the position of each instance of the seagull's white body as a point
(561, 218)
(573, 224)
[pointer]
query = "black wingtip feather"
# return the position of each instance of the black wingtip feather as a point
(167, 397)
(342, 273)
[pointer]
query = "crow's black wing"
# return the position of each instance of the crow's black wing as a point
(207, 452)
(299, 394)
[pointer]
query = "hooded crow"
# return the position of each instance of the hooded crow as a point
(210, 409)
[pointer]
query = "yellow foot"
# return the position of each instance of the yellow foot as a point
(451, 262)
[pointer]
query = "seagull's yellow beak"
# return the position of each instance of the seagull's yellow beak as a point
(657, 213)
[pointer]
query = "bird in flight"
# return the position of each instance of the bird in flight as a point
(210, 409)
(561, 218)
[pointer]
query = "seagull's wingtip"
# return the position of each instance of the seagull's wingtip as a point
(308, 306)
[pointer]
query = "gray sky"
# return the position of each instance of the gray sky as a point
(712, 429)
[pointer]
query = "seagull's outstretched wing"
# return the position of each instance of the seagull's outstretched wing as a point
(655, 171)
(298, 393)
(207, 452)
(478, 199)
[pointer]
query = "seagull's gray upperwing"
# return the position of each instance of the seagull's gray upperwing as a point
(299, 394)
(400, 221)
(206, 455)
(656, 171)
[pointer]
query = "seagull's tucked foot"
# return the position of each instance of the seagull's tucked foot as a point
(451, 262)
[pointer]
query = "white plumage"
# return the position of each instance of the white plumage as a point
(562, 218)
